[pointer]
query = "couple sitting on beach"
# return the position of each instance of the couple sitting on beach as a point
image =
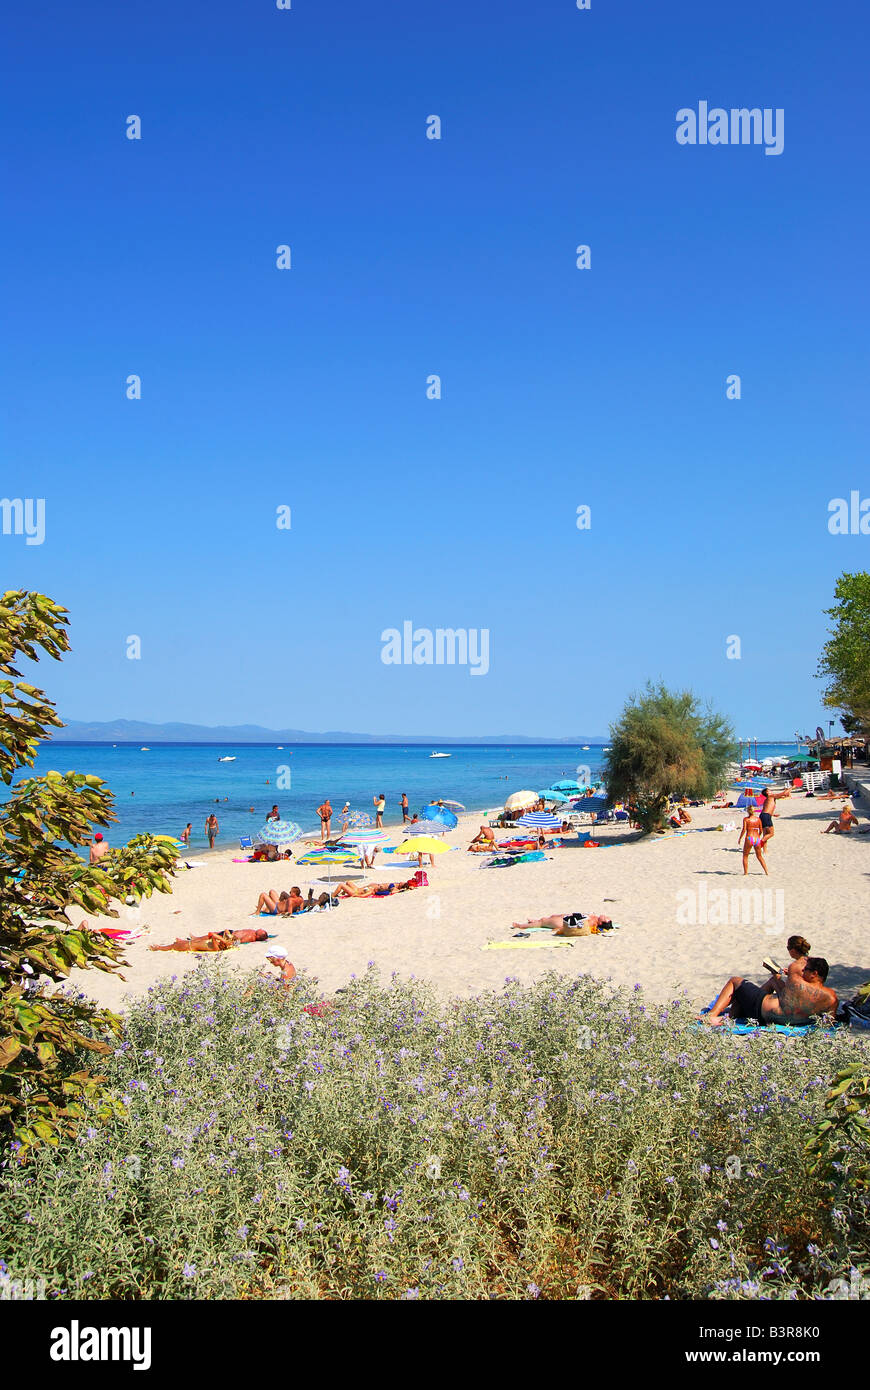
(275, 904)
(795, 995)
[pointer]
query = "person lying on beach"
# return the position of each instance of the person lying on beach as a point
(278, 904)
(843, 825)
(484, 839)
(560, 921)
(215, 940)
(348, 889)
(783, 999)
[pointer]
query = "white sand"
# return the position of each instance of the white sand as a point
(437, 933)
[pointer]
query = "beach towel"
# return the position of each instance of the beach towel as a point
(743, 1026)
(515, 945)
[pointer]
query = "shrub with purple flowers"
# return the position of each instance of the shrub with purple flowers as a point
(405, 1148)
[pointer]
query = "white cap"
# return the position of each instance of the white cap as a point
(277, 953)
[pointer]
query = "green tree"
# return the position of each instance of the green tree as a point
(45, 1035)
(665, 744)
(845, 660)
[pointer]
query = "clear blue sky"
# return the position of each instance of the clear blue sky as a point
(410, 257)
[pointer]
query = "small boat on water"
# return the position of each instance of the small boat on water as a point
(226, 760)
(440, 755)
(143, 749)
(584, 748)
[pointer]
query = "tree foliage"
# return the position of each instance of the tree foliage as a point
(665, 744)
(844, 664)
(45, 1036)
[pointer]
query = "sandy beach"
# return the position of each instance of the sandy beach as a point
(676, 934)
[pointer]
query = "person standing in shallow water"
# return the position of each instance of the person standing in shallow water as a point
(405, 815)
(379, 802)
(212, 829)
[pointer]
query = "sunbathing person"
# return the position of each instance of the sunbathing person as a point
(483, 840)
(783, 999)
(844, 823)
(275, 904)
(559, 921)
(348, 889)
(215, 940)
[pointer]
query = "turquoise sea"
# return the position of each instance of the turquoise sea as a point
(164, 788)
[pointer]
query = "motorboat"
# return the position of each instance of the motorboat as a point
(440, 755)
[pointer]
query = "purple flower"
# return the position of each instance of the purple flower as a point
(533, 1290)
(189, 1271)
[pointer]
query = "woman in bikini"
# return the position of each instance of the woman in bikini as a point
(752, 834)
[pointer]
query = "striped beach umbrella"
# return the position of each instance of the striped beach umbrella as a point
(281, 833)
(539, 820)
(359, 819)
(430, 827)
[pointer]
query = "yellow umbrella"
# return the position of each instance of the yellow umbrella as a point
(424, 844)
(518, 800)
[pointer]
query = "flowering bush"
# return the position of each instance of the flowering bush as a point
(552, 1141)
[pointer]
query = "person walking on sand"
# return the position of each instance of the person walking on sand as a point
(379, 802)
(212, 829)
(404, 804)
(185, 834)
(325, 814)
(752, 835)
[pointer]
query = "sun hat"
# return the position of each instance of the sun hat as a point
(277, 953)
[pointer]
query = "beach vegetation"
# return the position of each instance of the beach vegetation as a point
(666, 744)
(551, 1141)
(844, 663)
(46, 1038)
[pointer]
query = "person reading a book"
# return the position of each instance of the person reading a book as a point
(785, 998)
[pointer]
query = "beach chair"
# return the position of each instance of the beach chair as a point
(245, 842)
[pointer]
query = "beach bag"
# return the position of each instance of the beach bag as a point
(420, 879)
(857, 1011)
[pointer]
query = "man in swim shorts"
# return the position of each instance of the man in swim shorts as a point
(768, 811)
(325, 814)
(783, 999)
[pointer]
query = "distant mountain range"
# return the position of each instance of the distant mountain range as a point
(135, 731)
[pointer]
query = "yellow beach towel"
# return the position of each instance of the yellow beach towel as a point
(525, 945)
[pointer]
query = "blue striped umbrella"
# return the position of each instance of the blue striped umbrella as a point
(539, 820)
(359, 819)
(279, 832)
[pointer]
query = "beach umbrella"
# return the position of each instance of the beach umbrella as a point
(430, 827)
(281, 833)
(359, 819)
(539, 820)
(440, 813)
(567, 784)
(423, 844)
(518, 800)
(550, 794)
(743, 801)
(454, 805)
